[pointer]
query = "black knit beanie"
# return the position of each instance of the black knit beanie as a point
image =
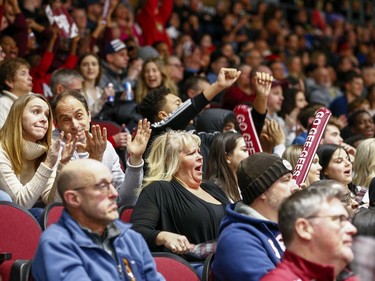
(258, 172)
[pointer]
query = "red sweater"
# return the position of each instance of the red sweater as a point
(153, 24)
(293, 267)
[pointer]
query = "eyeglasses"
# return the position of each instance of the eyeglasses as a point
(342, 219)
(178, 65)
(102, 187)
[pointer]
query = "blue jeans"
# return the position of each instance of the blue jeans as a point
(37, 213)
(198, 266)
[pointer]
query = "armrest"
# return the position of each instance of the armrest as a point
(5, 256)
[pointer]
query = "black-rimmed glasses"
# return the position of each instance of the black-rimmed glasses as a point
(102, 187)
(340, 218)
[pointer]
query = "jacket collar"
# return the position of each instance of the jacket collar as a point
(78, 234)
(311, 270)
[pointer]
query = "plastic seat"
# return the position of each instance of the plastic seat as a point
(174, 268)
(125, 213)
(207, 274)
(112, 127)
(51, 214)
(21, 271)
(19, 235)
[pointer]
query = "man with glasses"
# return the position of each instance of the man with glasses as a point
(89, 242)
(317, 233)
(175, 69)
(65, 79)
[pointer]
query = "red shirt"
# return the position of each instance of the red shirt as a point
(235, 96)
(293, 268)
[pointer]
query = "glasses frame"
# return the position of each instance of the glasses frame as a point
(102, 186)
(341, 218)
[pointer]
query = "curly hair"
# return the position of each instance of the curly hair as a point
(153, 103)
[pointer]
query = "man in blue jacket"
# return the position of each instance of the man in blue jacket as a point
(89, 242)
(250, 243)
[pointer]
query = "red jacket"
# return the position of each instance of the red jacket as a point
(40, 73)
(293, 268)
(153, 24)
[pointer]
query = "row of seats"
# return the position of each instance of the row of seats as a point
(21, 232)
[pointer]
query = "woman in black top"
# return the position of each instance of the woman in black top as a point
(176, 210)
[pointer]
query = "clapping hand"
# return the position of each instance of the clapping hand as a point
(137, 146)
(96, 142)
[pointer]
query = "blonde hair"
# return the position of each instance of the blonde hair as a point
(163, 160)
(143, 89)
(11, 135)
(364, 163)
(292, 154)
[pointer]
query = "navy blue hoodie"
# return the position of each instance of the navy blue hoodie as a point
(248, 246)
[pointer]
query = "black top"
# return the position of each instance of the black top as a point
(168, 206)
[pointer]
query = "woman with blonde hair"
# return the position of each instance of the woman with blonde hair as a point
(153, 75)
(176, 209)
(364, 168)
(28, 157)
(292, 154)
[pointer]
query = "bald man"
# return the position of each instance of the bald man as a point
(89, 242)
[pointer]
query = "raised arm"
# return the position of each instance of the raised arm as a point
(261, 82)
(130, 189)
(226, 77)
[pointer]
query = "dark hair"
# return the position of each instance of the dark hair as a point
(232, 118)
(82, 57)
(289, 102)
(192, 82)
(350, 75)
(325, 152)
(352, 119)
(66, 94)
(218, 169)
(306, 113)
(8, 70)
(364, 221)
(153, 102)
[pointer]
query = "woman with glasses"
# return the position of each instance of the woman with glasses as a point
(176, 209)
(28, 157)
(15, 81)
